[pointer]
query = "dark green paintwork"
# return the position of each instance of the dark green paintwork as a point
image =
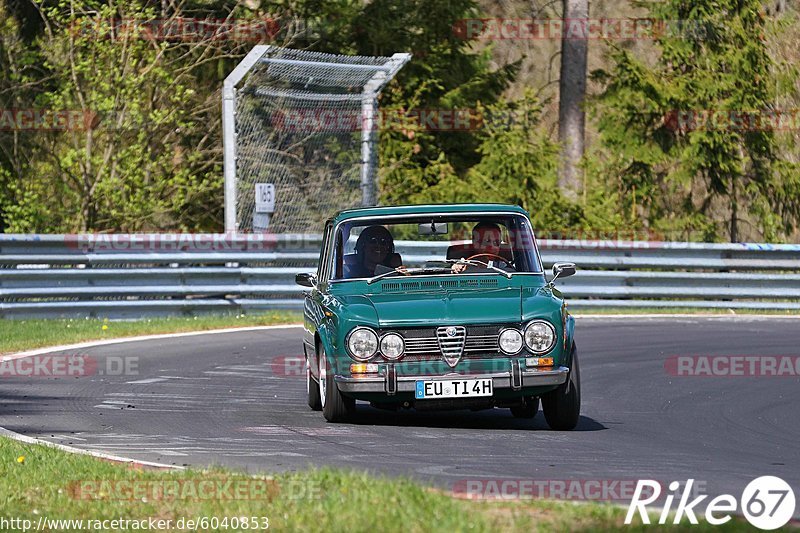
(448, 209)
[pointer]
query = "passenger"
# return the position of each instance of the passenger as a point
(374, 254)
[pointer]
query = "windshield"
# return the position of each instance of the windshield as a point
(434, 245)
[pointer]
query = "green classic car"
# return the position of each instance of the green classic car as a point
(438, 307)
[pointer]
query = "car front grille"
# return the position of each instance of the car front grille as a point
(451, 341)
(423, 344)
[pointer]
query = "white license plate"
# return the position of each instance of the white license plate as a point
(455, 388)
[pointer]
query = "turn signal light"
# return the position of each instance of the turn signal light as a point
(364, 368)
(539, 361)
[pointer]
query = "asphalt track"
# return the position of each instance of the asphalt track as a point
(238, 399)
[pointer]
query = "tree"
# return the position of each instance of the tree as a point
(518, 165)
(444, 75)
(686, 137)
(572, 93)
(22, 80)
(145, 153)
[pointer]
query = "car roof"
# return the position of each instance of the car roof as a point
(426, 209)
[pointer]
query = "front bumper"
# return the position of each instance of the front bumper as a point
(391, 383)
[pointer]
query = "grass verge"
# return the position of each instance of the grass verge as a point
(17, 335)
(39, 481)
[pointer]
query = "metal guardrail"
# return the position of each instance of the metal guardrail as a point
(120, 276)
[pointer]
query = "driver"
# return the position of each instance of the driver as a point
(486, 239)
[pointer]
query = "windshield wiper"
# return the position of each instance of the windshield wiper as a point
(402, 270)
(473, 262)
(439, 270)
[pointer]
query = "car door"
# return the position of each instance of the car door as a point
(313, 311)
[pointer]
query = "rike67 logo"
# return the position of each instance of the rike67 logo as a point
(767, 502)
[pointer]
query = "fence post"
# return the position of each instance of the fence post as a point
(369, 156)
(229, 132)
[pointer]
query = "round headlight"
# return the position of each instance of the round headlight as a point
(510, 341)
(540, 336)
(362, 343)
(392, 346)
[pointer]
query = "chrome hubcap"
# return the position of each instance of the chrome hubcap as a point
(308, 377)
(323, 375)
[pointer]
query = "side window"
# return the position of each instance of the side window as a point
(338, 256)
(323, 268)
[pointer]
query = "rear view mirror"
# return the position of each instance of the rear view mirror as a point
(434, 228)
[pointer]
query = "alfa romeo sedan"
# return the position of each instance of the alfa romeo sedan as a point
(438, 307)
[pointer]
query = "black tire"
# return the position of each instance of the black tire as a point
(312, 390)
(562, 407)
(528, 410)
(335, 406)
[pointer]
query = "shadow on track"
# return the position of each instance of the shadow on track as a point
(494, 419)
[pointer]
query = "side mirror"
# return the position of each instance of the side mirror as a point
(563, 270)
(305, 279)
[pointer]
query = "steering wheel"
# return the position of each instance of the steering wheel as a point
(503, 259)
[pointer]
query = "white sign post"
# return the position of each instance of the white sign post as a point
(265, 206)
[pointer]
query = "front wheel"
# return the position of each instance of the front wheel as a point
(562, 407)
(335, 406)
(312, 389)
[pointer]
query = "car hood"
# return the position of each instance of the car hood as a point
(462, 307)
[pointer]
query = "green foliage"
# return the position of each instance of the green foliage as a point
(445, 75)
(517, 165)
(150, 161)
(675, 173)
(151, 157)
(140, 155)
(25, 205)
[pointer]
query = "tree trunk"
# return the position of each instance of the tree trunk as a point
(572, 92)
(734, 223)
